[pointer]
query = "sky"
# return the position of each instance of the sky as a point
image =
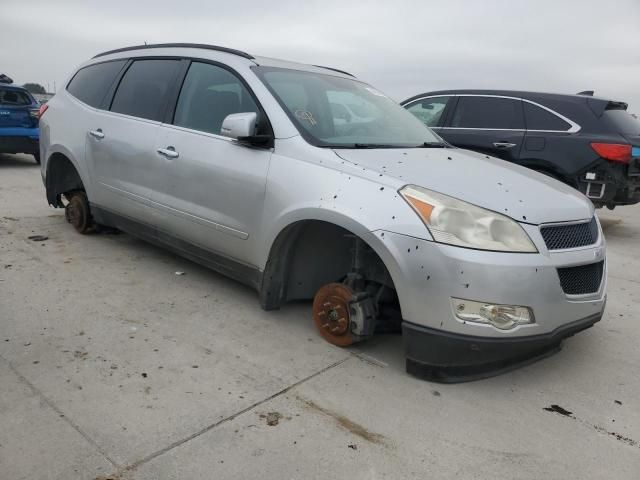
(402, 47)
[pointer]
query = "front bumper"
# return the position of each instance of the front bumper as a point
(446, 357)
(427, 275)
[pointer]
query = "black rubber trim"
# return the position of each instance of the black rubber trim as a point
(446, 357)
(203, 46)
(234, 269)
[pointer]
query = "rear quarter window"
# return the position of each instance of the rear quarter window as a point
(13, 97)
(538, 118)
(91, 84)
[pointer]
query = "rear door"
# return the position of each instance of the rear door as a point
(120, 142)
(488, 124)
(18, 110)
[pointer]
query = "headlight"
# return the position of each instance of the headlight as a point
(459, 223)
(503, 317)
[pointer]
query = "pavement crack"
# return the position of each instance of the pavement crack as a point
(60, 413)
(208, 428)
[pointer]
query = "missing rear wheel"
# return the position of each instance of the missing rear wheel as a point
(77, 212)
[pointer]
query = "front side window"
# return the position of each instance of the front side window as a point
(14, 98)
(91, 84)
(540, 119)
(144, 88)
(332, 111)
(488, 113)
(210, 93)
(429, 110)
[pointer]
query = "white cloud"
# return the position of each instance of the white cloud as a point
(403, 47)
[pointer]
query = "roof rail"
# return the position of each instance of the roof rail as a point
(179, 45)
(335, 70)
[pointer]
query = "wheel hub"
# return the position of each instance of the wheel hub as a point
(77, 213)
(331, 313)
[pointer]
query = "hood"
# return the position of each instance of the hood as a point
(520, 193)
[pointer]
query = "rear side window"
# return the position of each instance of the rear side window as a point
(540, 119)
(429, 110)
(11, 97)
(210, 93)
(144, 87)
(489, 113)
(90, 84)
(622, 121)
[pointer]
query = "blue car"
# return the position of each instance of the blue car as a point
(19, 113)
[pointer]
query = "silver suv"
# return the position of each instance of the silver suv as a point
(306, 183)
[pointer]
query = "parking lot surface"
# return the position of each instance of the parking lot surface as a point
(114, 366)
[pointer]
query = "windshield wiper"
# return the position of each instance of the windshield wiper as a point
(434, 145)
(373, 145)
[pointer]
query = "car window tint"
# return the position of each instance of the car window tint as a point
(90, 84)
(208, 95)
(540, 119)
(143, 89)
(622, 121)
(488, 112)
(429, 110)
(9, 96)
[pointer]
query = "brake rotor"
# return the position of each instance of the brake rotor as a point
(77, 213)
(331, 313)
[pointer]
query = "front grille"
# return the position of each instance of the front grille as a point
(581, 280)
(558, 237)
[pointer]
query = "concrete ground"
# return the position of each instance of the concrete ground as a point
(112, 366)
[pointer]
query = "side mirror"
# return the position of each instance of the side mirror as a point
(239, 125)
(242, 127)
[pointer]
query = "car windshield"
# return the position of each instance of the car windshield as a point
(332, 111)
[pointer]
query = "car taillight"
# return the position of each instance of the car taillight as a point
(43, 108)
(613, 151)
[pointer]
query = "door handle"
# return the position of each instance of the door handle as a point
(503, 145)
(168, 152)
(96, 133)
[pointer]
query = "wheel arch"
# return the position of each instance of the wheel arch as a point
(282, 267)
(63, 174)
(548, 168)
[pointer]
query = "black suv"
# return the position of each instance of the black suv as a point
(590, 143)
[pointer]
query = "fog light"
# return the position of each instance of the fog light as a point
(503, 317)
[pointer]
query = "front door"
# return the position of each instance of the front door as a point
(486, 124)
(213, 189)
